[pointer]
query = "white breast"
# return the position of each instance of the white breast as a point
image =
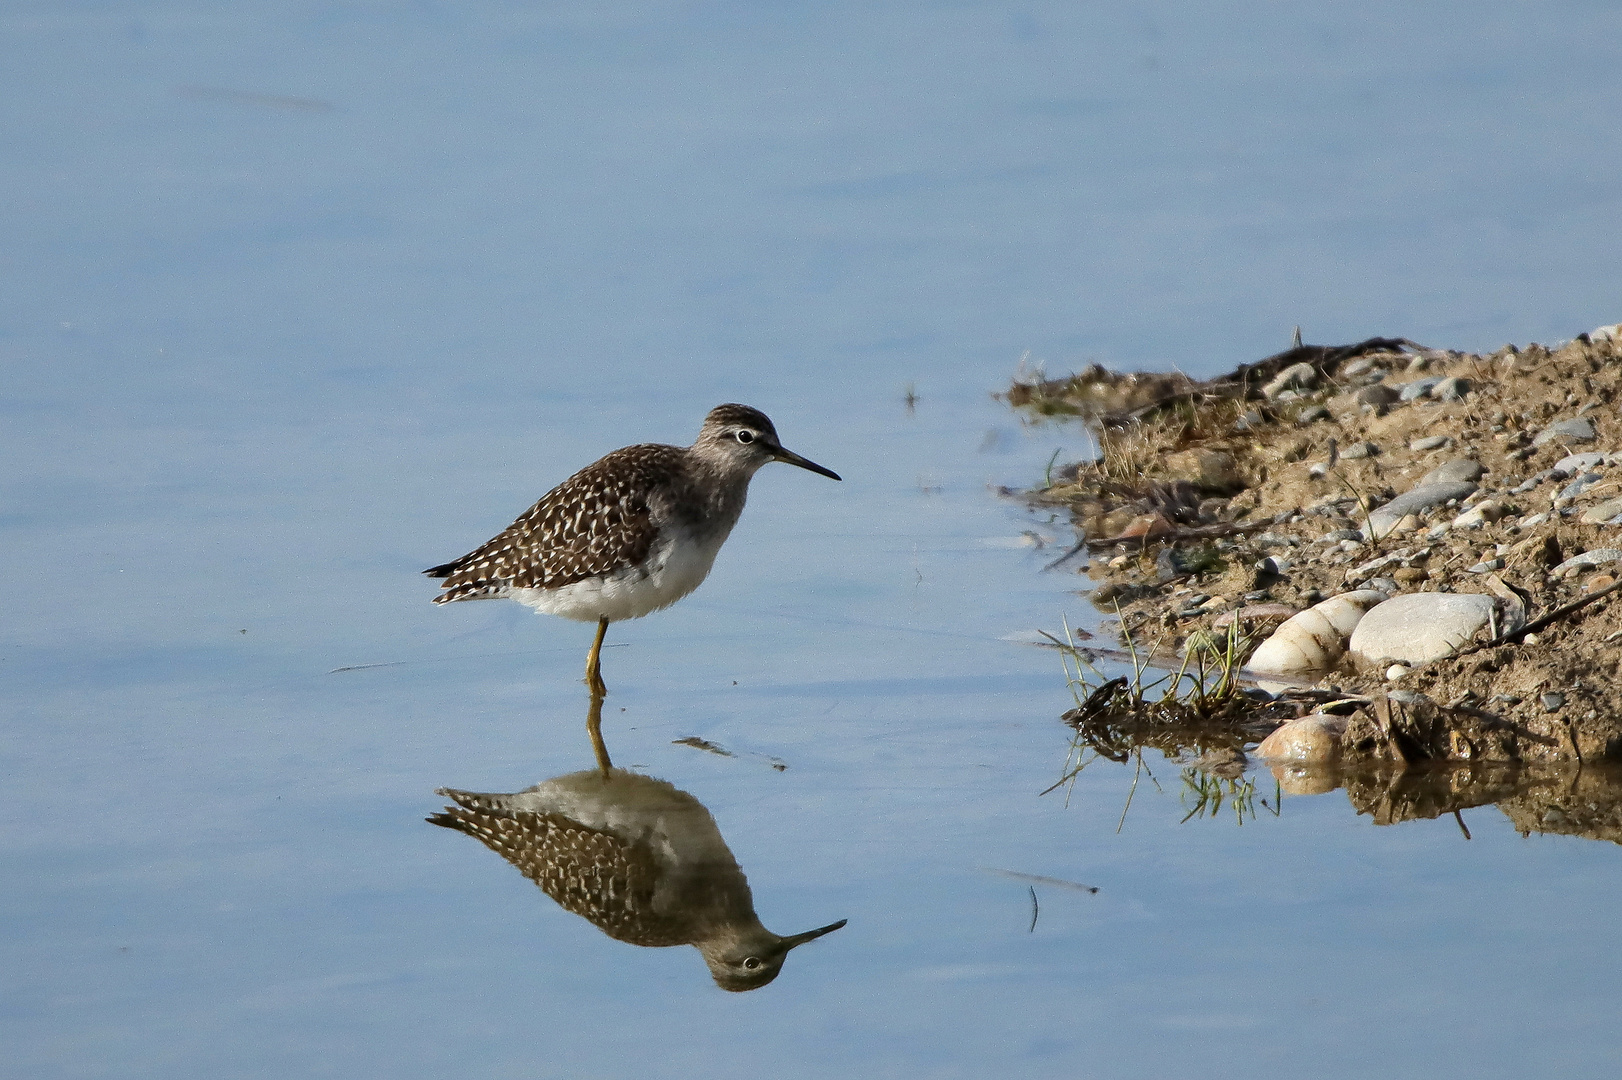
(675, 567)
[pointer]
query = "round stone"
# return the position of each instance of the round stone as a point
(1416, 628)
(1313, 739)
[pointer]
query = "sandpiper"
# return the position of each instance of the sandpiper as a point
(631, 533)
(639, 858)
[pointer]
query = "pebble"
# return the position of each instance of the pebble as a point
(1255, 613)
(1579, 485)
(1486, 566)
(1430, 442)
(1340, 534)
(1409, 575)
(1396, 671)
(1359, 450)
(1452, 472)
(1314, 639)
(1416, 628)
(1293, 377)
(1552, 702)
(1313, 739)
(1478, 515)
(1361, 366)
(1383, 519)
(1572, 464)
(1599, 557)
(1451, 389)
(1378, 396)
(1598, 582)
(1603, 513)
(1251, 419)
(1408, 524)
(1417, 389)
(1312, 416)
(1578, 430)
(1382, 584)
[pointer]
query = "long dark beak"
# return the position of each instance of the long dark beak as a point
(811, 935)
(780, 454)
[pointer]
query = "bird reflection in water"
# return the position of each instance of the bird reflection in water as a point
(638, 858)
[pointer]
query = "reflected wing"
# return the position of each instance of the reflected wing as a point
(592, 873)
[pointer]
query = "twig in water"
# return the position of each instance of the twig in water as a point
(1460, 819)
(1034, 909)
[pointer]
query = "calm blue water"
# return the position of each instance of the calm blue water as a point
(302, 298)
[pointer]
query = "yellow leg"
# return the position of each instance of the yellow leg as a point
(594, 662)
(594, 728)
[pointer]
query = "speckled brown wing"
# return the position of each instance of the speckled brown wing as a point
(594, 874)
(593, 523)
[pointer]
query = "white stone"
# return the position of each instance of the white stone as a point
(1315, 638)
(1416, 628)
(1313, 739)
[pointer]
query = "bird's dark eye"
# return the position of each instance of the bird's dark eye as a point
(746, 436)
(750, 963)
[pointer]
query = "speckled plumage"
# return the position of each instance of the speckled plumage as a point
(640, 859)
(629, 534)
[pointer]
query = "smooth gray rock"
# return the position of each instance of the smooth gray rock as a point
(1361, 366)
(1579, 430)
(1418, 388)
(1359, 450)
(1416, 628)
(1385, 518)
(1599, 557)
(1602, 513)
(1430, 442)
(1579, 485)
(1452, 472)
(1312, 415)
(1451, 389)
(1572, 464)
(1379, 395)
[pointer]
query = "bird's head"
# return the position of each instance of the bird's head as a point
(752, 958)
(743, 439)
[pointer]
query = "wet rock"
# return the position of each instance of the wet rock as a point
(1315, 638)
(1384, 519)
(1310, 740)
(1579, 430)
(1416, 628)
(1452, 472)
(1430, 442)
(1417, 389)
(1602, 514)
(1169, 564)
(1451, 389)
(1294, 377)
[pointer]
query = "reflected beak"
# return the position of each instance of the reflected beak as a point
(780, 454)
(811, 935)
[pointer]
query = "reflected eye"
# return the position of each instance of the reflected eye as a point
(750, 963)
(746, 436)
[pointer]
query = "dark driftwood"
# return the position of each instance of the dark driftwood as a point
(1246, 380)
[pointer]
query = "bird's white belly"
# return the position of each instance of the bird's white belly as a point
(674, 568)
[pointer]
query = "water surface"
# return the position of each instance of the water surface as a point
(302, 298)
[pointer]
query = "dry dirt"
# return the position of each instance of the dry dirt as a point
(1200, 484)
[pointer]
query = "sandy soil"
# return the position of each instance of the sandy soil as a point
(1211, 497)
